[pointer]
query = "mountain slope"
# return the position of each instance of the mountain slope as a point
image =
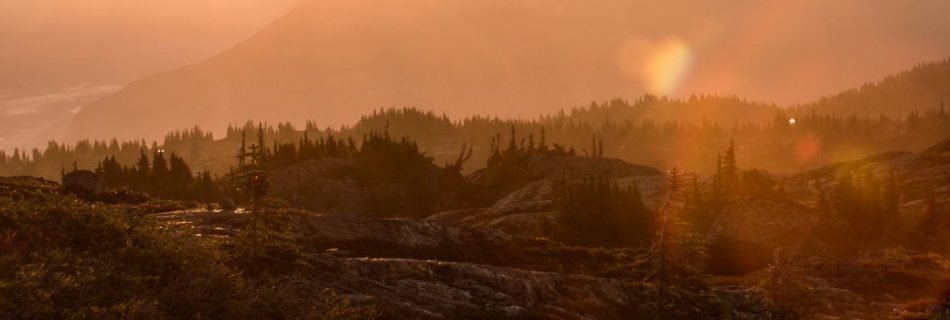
(333, 61)
(337, 60)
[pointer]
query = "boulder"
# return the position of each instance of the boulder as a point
(84, 183)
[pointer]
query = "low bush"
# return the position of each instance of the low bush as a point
(63, 258)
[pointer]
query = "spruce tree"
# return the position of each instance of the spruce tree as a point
(141, 172)
(729, 169)
(158, 177)
(253, 179)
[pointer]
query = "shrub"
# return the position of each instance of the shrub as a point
(62, 258)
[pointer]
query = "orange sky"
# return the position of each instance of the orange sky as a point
(51, 44)
(778, 51)
(783, 51)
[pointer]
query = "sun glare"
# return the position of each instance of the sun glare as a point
(667, 66)
(658, 66)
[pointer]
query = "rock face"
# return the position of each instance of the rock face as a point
(426, 239)
(84, 183)
(409, 234)
(532, 210)
(914, 175)
(745, 236)
(433, 269)
(436, 270)
(435, 289)
(527, 211)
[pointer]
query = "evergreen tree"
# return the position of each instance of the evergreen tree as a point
(729, 169)
(599, 212)
(141, 172)
(180, 179)
(158, 177)
(253, 179)
(661, 250)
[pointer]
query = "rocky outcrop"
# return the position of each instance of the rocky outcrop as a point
(409, 234)
(451, 290)
(914, 174)
(439, 270)
(435, 270)
(427, 239)
(745, 236)
(527, 211)
(532, 210)
(84, 183)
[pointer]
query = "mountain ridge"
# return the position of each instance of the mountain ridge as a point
(336, 61)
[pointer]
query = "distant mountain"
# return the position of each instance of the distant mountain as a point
(333, 61)
(337, 60)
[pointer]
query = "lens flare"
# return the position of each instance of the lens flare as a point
(660, 66)
(668, 65)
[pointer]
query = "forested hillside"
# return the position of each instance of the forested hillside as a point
(927, 84)
(813, 139)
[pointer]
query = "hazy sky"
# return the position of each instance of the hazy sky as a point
(779, 51)
(785, 51)
(46, 45)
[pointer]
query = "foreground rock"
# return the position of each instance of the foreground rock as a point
(435, 270)
(451, 290)
(422, 239)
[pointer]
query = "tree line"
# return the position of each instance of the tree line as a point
(160, 177)
(624, 129)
